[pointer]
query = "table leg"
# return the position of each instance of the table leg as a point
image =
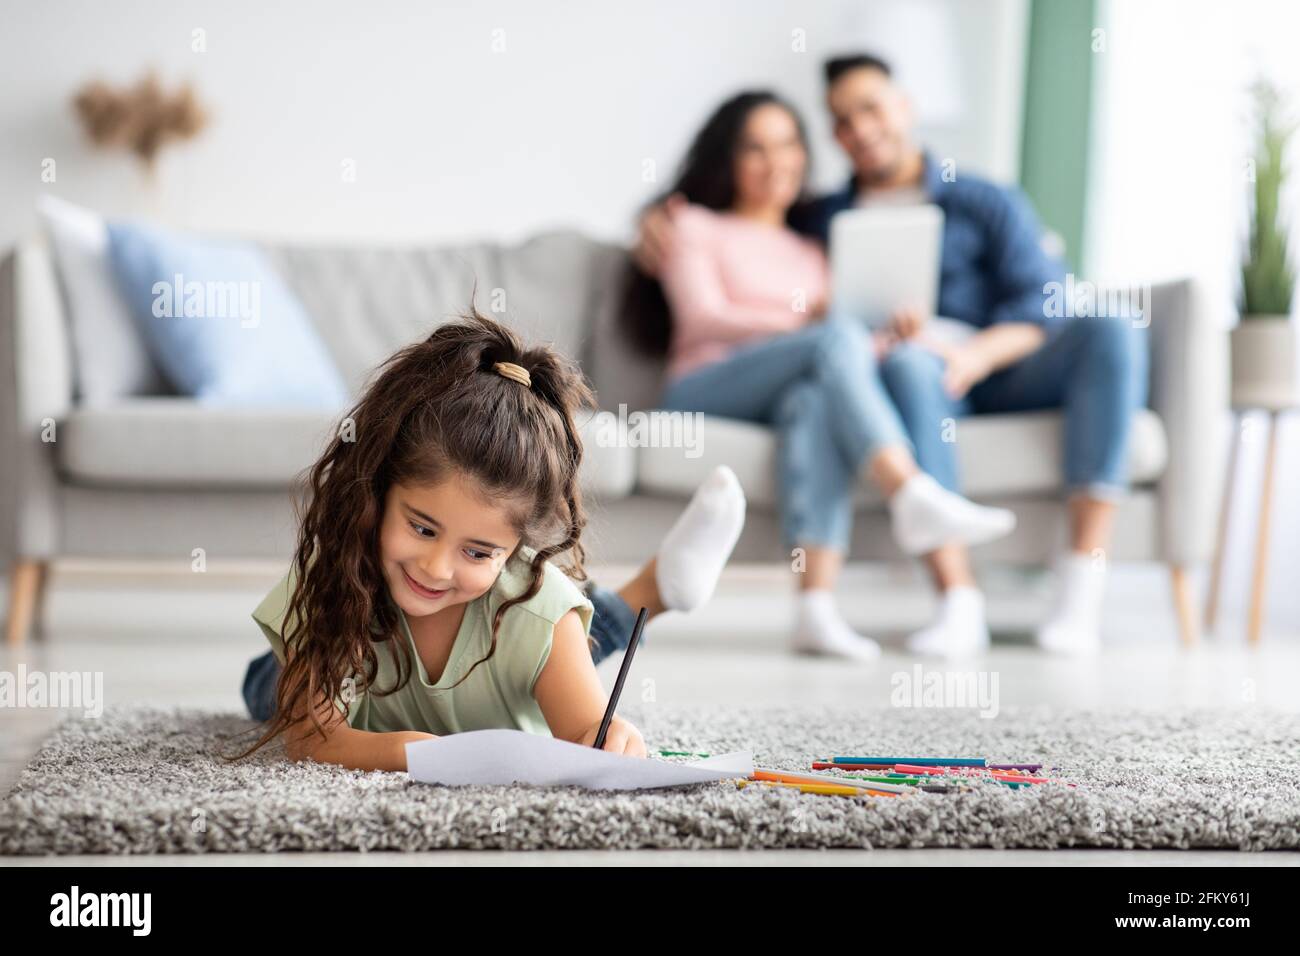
(1184, 606)
(1225, 507)
(1259, 586)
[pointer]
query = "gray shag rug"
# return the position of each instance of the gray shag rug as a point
(149, 780)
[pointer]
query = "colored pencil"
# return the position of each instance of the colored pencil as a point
(927, 776)
(893, 784)
(817, 788)
(788, 776)
(916, 761)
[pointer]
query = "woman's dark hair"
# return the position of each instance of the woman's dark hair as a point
(707, 177)
(436, 408)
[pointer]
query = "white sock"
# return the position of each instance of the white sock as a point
(1074, 626)
(695, 549)
(958, 630)
(822, 630)
(927, 516)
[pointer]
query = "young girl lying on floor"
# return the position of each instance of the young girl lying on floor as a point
(421, 596)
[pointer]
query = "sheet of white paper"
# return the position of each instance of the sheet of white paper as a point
(514, 756)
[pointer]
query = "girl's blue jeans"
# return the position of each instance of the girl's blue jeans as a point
(611, 629)
(834, 406)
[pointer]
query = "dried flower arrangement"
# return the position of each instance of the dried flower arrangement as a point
(141, 118)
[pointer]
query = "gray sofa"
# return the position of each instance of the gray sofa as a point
(158, 476)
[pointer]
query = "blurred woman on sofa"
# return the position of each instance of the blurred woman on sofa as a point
(740, 310)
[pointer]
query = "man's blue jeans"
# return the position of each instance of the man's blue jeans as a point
(819, 387)
(1095, 368)
(611, 629)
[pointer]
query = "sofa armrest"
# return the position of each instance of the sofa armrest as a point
(35, 390)
(1189, 391)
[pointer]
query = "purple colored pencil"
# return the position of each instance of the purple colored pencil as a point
(1015, 766)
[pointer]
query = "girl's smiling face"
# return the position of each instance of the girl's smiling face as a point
(442, 545)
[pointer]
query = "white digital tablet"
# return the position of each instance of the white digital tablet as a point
(884, 259)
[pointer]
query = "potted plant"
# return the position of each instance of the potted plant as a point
(1263, 343)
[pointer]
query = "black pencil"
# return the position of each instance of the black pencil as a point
(622, 676)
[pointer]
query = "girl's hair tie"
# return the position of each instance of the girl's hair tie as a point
(516, 372)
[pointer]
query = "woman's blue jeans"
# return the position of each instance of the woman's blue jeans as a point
(611, 629)
(819, 387)
(833, 406)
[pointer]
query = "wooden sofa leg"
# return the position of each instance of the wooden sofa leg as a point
(26, 583)
(1189, 626)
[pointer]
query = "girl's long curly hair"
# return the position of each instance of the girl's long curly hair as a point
(435, 408)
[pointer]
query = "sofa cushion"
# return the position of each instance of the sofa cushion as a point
(369, 301)
(998, 455)
(112, 359)
(220, 321)
(178, 443)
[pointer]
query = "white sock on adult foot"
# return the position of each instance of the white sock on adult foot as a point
(822, 630)
(1074, 626)
(696, 548)
(925, 516)
(958, 630)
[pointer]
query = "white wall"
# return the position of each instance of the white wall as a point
(451, 140)
(1169, 198)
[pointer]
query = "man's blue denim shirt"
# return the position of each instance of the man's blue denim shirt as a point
(993, 266)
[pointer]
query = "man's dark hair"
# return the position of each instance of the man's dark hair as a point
(838, 66)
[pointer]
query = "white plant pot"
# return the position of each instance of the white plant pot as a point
(1264, 363)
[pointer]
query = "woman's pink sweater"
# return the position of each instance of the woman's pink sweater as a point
(730, 280)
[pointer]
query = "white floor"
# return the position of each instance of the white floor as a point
(160, 638)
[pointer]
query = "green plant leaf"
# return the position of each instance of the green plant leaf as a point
(1267, 272)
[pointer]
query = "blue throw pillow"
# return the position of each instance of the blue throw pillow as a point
(220, 322)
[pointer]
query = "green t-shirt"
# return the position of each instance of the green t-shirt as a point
(499, 694)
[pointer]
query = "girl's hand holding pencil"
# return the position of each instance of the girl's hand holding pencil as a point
(621, 737)
(613, 732)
